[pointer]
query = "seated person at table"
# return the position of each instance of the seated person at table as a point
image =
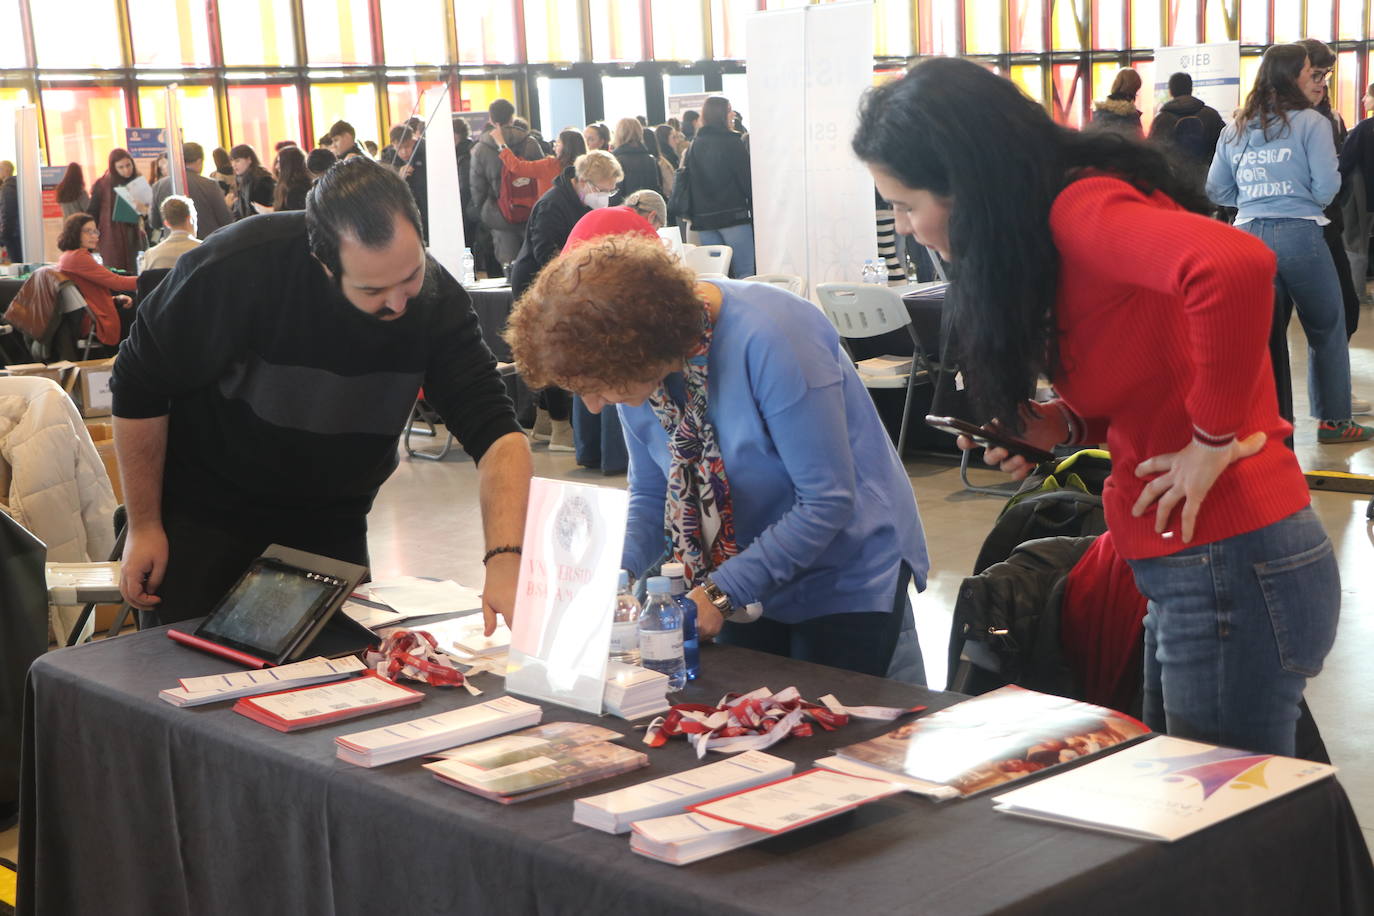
(99, 286)
(267, 379)
(757, 458)
(179, 216)
(650, 205)
(584, 186)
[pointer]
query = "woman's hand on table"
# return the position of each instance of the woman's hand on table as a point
(1187, 477)
(709, 619)
(1045, 428)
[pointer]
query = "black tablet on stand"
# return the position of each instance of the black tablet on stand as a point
(282, 609)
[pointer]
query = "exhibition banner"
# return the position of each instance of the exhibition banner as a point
(1215, 70)
(814, 213)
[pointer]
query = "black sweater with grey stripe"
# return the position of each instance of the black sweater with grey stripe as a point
(284, 400)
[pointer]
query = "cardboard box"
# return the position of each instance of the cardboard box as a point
(102, 434)
(41, 370)
(88, 382)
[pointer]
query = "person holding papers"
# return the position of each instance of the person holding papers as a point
(120, 225)
(260, 395)
(1088, 260)
(757, 458)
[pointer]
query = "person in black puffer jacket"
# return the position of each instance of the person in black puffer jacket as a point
(720, 187)
(639, 165)
(1118, 112)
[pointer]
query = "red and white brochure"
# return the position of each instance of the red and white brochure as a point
(306, 707)
(787, 804)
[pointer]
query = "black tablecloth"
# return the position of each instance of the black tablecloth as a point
(133, 806)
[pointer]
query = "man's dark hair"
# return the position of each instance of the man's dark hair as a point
(501, 111)
(396, 133)
(283, 144)
(1319, 53)
(358, 198)
(1180, 84)
(416, 126)
(192, 152)
(714, 111)
(461, 130)
(320, 159)
(342, 127)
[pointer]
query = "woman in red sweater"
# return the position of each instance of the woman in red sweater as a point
(81, 236)
(566, 149)
(1076, 257)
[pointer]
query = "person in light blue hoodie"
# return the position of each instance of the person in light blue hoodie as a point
(1276, 164)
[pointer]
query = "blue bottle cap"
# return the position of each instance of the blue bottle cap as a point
(658, 585)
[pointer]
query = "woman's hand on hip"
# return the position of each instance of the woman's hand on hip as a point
(1187, 477)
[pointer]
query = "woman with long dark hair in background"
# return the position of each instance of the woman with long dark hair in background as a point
(120, 240)
(566, 148)
(1276, 163)
(1084, 258)
(253, 183)
(71, 191)
(293, 179)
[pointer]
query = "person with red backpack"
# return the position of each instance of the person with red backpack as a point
(504, 205)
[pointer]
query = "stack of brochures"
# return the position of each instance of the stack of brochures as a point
(536, 762)
(633, 692)
(987, 741)
(746, 817)
(307, 707)
(211, 688)
(379, 746)
(464, 636)
(614, 812)
(1162, 789)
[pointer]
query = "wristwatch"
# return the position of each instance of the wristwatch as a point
(717, 598)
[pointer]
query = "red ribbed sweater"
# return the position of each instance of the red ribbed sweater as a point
(1163, 320)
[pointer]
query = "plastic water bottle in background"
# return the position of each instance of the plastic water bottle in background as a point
(138, 262)
(469, 268)
(691, 644)
(625, 624)
(880, 271)
(868, 273)
(660, 634)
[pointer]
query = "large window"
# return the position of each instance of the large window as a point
(337, 32)
(678, 30)
(355, 103)
(169, 33)
(414, 32)
(617, 30)
(83, 125)
(263, 115)
(65, 39)
(486, 31)
(404, 100)
(257, 33)
(195, 107)
(624, 97)
(553, 31)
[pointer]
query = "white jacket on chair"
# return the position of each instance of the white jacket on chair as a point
(58, 487)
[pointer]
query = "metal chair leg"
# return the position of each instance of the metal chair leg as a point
(1003, 490)
(433, 432)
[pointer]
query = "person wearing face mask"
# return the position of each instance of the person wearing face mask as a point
(584, 186)
(261, 392)
(120, 241)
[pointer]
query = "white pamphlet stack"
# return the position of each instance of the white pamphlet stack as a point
(614, 812)
(212, 688)
(464, 636)
(307, 707)
(741, 818)
(417, 737)
(633, 692)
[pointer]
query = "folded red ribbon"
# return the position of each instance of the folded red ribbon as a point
(416, 656)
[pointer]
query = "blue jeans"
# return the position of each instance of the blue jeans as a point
(1234, 630)
(741, 240)
(1307, 274)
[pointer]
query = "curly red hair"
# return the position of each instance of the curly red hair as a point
(606, 313)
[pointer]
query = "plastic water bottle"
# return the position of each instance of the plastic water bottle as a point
(660, 634)
(625, 624)
(875, 271)
(469, 268)
(691, 644)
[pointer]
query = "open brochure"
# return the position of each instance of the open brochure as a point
(995, 738)
(211, 688)
(1162, 788)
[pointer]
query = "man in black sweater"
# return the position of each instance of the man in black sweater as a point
(262, 390)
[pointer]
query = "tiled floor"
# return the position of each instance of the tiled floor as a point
(426, 522)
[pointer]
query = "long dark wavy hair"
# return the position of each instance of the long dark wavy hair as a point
(955, 129)
(1276, 91)
(73, 184)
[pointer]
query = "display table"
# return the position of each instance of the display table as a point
(133, 806)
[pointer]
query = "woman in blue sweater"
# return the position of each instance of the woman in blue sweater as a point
(1276, 163)
(757, 458)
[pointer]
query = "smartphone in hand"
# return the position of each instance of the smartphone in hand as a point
(986, 437)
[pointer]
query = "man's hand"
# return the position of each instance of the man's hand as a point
(498, 590)
(124, 302)
(145, 563)
(1187, 476)
(709, 619)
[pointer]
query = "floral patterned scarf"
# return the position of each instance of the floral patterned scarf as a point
(698, 515)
